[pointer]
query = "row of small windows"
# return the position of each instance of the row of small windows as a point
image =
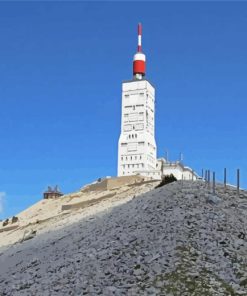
(139, 143)
(134, 94)
(140, 94)
(134, 106)
(132, 136)
(127, 95)
(127, 114)
(141, 165)
(134, 157)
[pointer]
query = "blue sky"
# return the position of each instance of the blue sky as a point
(62, 64)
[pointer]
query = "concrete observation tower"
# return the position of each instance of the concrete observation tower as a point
(137, 153)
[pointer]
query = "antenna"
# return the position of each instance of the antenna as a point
(139, 31)
(166, 155)
(139, 61)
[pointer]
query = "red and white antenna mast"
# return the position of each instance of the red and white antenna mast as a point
(139, 61)
(139, 31)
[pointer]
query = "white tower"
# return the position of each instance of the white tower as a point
(136, 147)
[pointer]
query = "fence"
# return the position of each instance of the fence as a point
(207, 174)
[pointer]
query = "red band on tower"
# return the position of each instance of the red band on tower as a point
(139, 67)
(139, 63)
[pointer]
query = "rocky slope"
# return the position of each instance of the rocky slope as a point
(49, 215)
(175, 240)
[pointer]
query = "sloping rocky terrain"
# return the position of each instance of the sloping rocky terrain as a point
(178, 239)
(49, 214)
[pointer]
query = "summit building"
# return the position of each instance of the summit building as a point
(137, 151)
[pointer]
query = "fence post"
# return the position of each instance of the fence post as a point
(225, 179)
(238, 180)
(213, 182)
(208, 178)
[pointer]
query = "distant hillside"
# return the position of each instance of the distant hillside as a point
(178, 239)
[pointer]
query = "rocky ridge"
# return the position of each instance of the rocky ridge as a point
(48, 215)
(175, 240)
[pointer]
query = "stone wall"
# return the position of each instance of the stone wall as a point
(108, 184)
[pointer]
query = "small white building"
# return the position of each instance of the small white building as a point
(166, 168)
(176, 168)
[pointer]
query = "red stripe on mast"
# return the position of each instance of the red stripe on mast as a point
(139, 29)
(139, 37)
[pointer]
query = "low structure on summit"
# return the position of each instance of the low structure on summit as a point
(51, 193)
(167, 168)
(176, 168)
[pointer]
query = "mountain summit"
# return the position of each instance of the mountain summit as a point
(178, 239)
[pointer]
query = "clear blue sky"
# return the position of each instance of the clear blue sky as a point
(61, 70)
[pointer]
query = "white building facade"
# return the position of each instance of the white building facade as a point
(137, 152)
(176, 168)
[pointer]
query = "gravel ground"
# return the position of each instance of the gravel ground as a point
(178, 239)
